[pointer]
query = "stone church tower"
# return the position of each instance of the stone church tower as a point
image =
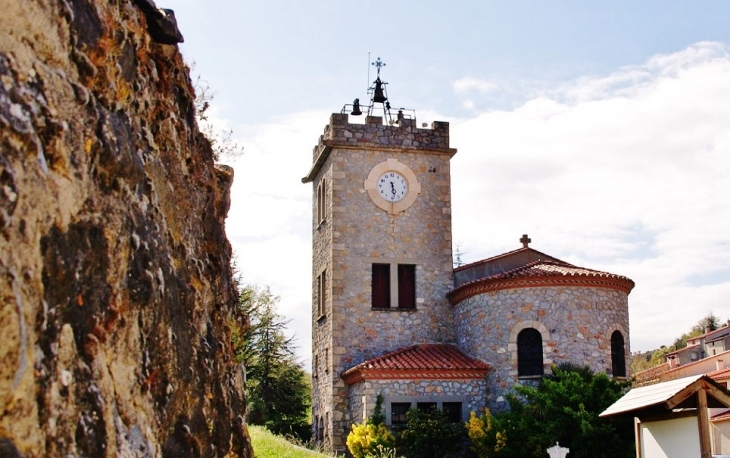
(381, 246)
(391, 317)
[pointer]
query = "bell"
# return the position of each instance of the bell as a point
(379, 96)
(356, 108)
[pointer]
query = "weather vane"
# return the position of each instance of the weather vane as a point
(378, 64)
(378, 94)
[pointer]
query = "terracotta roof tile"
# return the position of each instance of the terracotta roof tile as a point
(423, 361)
(722, 374)
(544, 268)
(721, 331)
(665, 372)
(550, 272)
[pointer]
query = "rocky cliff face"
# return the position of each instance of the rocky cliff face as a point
(115, 285)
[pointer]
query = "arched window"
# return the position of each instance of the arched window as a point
(618, 357)
(529, 352)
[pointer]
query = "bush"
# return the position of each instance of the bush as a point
(369, 439)
(372, 439)
(430, 434)
(563, 408)
(486, 440)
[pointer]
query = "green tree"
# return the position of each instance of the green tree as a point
(710, 321)
(563, 408)
(277, 388)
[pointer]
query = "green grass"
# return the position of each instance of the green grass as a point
(268, 445)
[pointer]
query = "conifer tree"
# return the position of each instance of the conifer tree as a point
(277, 388)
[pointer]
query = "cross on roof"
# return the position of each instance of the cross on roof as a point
(525, 240)
(379, 64)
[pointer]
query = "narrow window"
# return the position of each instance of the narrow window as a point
(618, 358)
(320, 431)
(324, 200)
(319, 203)
(529, 352)
(398, 412)
(381, 285)
(406, 286)
(452, 410)
(319, 296)
(321, 293)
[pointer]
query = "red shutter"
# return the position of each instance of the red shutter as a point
(381, 285)
(406, 286)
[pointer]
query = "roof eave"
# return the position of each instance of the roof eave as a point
(352, 377)
(485, 285)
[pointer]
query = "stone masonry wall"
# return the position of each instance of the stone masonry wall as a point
(374, 134)
(361, 234)
(115, 281)
(576, 324)
(322, 374)
(365, 393)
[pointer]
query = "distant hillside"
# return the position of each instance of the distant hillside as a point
(645, 360)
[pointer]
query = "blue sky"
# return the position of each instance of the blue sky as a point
(598, 128)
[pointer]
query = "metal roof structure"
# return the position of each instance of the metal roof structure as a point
(669, 397)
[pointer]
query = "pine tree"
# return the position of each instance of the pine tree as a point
(277, 388)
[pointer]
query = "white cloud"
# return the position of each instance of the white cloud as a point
(468, 104)
(468, 83)
(629, 173)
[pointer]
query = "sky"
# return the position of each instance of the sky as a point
(601, 129)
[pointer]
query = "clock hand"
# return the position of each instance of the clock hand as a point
(392, 187)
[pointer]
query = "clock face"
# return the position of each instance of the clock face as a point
(392, 186)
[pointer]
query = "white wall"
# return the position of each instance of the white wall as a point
(720, 437)
(670, 438)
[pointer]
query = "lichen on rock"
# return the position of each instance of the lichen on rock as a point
(115, 276)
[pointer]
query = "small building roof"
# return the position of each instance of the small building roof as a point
(721, 375)
(423, 361)
(683, 350)
(542, 272)
(666, 372)
(499, 264)
(668, 396)
(720, 332)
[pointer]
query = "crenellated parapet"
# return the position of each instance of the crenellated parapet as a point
(402, 136)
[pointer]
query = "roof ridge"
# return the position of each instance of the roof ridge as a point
(508, 253)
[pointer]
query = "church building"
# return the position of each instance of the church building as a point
(392, 316)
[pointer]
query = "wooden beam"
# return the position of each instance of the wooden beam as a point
(637, 437)
(703, 421)
(716, 391)
(683, 395)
